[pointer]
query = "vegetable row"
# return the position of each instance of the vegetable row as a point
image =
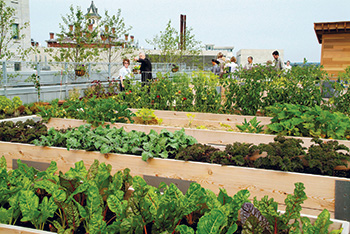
(286, 154)
(95, 201)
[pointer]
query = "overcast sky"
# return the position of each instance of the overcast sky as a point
(244, 24)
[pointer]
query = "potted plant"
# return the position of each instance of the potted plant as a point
(136, 69)
(175, 68)
(80, 70)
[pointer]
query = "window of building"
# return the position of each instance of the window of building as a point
(17, 66)
(15, 31)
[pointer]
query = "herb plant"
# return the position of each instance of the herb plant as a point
(253, 126)
(147, 116)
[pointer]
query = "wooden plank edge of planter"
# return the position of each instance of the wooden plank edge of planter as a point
(207, 116)
(202, 135)
(12, 229)
(22, 118)
(277, 184)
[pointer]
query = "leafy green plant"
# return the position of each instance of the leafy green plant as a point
(297, 120)
(113, 140)
(35, 79)
(147, 116)
(323, 157)
(95, 201)
(12, 108)
(253, 126)
(190, 118)
(282, 154)
(93, 110)
(23, 132)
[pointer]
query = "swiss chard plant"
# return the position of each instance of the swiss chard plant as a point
(95, 201)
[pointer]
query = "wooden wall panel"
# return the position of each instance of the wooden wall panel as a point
(335, 55)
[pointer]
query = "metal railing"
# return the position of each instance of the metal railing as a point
(57, 79)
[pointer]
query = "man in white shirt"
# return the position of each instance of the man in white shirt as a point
(249, 65)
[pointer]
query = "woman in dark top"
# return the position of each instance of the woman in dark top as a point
(145, 68)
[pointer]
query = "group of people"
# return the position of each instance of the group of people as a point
(222, 65)
(145, 68)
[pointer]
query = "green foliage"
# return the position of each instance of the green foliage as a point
(8, 34)
(253, 126)
(263, 86)
(23, 132)
(147, 116)
(323, 157)
(95, 201)
(282, 154)
(297, 120)
(245, 94)
(35, 79)
(80, 35)
(168, 42)
(113, 140)
(12, 108)
(234, 154)
(93, 110)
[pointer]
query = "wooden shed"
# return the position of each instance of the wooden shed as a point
(335, 40)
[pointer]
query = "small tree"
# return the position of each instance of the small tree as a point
(78, 41)
(168, 42)
(9, 32)
(112, 46)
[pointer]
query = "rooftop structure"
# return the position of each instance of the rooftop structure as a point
(335, 40)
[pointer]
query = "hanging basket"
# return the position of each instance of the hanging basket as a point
(79, 72)
(175, 69)
(136, 71)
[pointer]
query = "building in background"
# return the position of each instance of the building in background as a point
(21, 17)
(102, 41)
(259, 55)
(335, 40)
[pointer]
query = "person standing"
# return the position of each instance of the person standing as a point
(145, 68)
(232, 65)
(288, 66)
(124, 73)
(249, 65)
(279, 64)
(220, 58)
(215, 68)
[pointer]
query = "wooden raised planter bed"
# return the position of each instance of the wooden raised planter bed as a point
(213, 137)
(276, 184)
(11, 229)
(209, 120)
